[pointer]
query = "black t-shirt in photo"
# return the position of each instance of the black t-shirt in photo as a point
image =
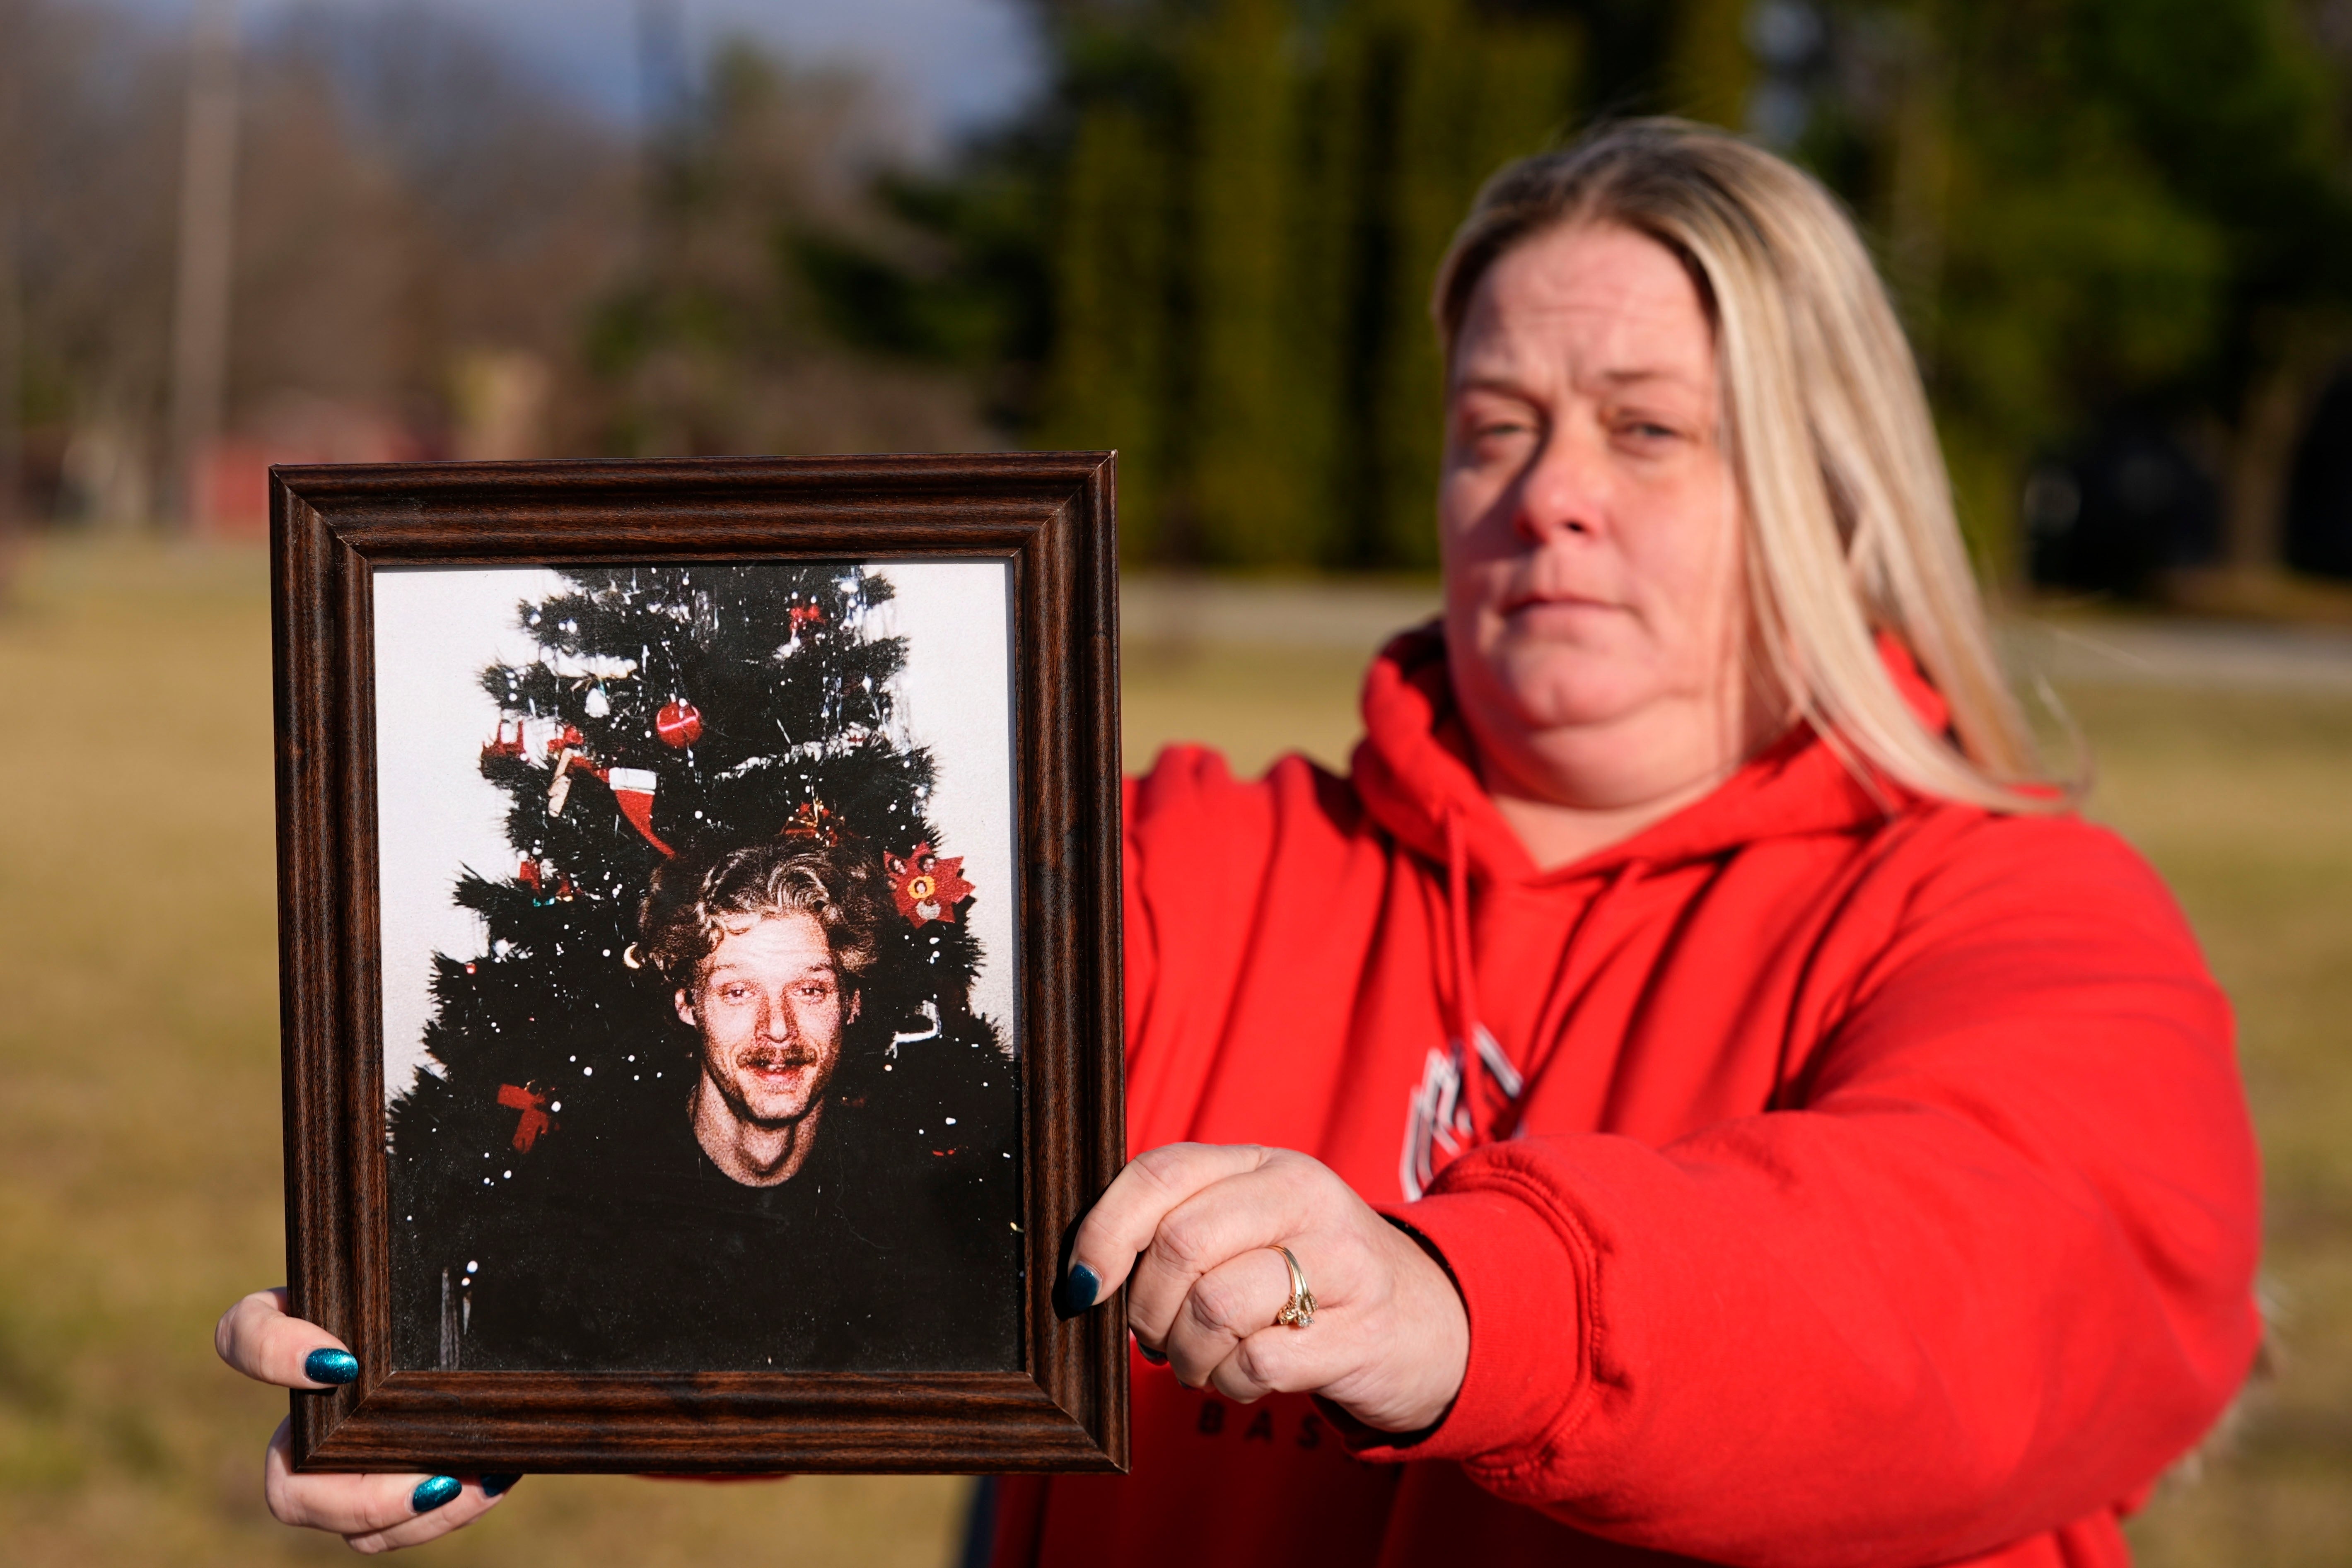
(634, 1251)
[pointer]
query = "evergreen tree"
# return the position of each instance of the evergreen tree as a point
(674, 707)
(1252, 205)
(1262, 420)
(758, 315)
(1465, 89)
(2086, 208)
(1708, 68)
(2096, 211)
(1111, 379)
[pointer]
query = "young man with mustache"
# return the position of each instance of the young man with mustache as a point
(790, 1212)
(768, 994)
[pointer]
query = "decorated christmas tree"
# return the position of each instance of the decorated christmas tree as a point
(671, 708)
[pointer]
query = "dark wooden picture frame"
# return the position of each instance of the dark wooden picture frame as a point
(1051, 517)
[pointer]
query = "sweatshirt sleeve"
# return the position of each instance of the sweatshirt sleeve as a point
(1138, 937)
(1990, 1271)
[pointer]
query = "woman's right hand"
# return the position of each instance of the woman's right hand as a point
(370, 1512)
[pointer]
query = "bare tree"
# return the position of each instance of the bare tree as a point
(12, 303)
(200, 315)
(379, 216)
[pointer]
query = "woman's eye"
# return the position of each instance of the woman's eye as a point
(1494, 438)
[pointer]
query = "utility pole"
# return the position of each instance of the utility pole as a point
(207, 250)
(663, 126)
(14, 178)
(661, 66)
(663, 106)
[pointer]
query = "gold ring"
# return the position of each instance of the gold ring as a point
(1299, 1311)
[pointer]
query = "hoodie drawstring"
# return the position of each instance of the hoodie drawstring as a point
(1470, 1090)
(1478, 1054)
(1457, 922)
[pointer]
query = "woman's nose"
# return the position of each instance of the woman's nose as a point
(1559, 491)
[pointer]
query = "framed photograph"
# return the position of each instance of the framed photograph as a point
(699, 942)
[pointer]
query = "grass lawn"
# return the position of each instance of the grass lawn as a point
(139, 1111)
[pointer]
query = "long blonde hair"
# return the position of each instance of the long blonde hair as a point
(1850, 528)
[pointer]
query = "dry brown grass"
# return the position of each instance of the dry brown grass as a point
(140, 1184)
(139, 1133)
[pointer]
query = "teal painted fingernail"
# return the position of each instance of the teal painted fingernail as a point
(499, 1485)
(433, 1491)
(1079, 1288)
(331, 1366)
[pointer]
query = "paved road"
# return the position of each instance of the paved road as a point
(2209, 655)
(1353, 616)
(2116, 650)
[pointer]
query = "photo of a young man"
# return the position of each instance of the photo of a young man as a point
(723, 1075)
(786, 1209)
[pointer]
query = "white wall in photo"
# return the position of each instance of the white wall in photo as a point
(438, 628)
(953, 696)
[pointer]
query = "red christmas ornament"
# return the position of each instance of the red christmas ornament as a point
(679, 723)
(633, 790)
(532, 739)
(547, 885)
(802, 615)
(925, 887)
(534, 1119)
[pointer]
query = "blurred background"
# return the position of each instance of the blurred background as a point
(1199, 230)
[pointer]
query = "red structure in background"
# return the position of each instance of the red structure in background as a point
(230, 486)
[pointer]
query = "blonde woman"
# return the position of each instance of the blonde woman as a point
(1690, 1090)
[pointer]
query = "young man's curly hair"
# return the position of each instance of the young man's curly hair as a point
(697, 899)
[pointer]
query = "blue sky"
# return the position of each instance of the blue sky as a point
(952, 64)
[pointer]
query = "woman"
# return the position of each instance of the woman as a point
(1796, 1138)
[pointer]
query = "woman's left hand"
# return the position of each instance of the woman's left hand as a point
(1191, 1230)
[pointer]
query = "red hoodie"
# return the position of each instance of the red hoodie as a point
(1830, 1176)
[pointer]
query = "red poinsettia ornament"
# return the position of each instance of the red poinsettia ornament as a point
(811, 820)
(927, 887)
